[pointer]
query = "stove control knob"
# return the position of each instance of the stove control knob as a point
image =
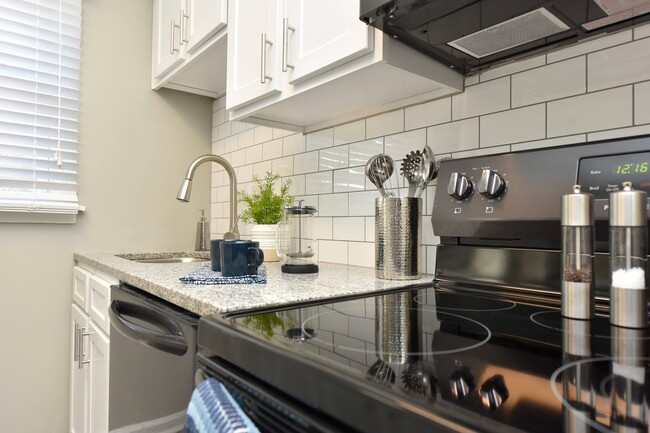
(494, 393)
(461, 384)
(491, 184)
(459, 186)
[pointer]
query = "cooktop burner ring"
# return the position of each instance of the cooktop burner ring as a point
(598, 320)
(509, 303)
(488, 334)
(556, 386)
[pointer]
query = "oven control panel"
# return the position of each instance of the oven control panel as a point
(517, 196)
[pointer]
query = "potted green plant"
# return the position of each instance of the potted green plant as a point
(264, 210)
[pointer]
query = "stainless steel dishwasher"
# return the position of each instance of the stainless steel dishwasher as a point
(152, 362)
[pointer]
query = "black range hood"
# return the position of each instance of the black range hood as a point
(469, 35)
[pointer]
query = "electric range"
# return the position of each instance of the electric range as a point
(483, 346)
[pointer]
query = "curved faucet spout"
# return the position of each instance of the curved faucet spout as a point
(186, 189)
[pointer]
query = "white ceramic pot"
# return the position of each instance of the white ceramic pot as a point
(265, 234)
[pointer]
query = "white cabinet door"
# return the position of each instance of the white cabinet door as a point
(98, 357)
(79, 377)
(327, 33)
(202, 19)
(167, 49)
(254, 67)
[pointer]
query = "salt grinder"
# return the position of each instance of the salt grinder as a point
(628, 257)
(577, 254)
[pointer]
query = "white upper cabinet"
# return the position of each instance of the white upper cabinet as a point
(167, 51)
(254, 50)
(321, 35)
(189, 46)
(202, 19)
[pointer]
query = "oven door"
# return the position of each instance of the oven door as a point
(269, 409)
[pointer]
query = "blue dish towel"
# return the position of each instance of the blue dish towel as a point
(213, 410)
(205, 275)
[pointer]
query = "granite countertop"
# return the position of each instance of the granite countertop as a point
(162, 280)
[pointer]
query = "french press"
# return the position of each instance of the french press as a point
(296, 240)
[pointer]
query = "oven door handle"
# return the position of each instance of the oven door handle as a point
(172, 342)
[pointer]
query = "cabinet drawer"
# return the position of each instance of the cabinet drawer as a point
(81, 280)
(99, 298)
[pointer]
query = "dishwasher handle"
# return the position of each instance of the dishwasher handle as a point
(172, 342)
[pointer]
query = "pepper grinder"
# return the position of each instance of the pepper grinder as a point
(202, 234)
(578, 254)
(628, 305)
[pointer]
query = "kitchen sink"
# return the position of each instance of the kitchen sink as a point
(166, 257)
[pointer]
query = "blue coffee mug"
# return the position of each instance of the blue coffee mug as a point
(240, 257)
(215, 254)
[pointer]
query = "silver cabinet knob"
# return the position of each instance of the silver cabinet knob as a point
(494, 393)
(491, 184)
(461, 384)
(459, 186)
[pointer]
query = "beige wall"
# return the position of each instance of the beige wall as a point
(135, 147)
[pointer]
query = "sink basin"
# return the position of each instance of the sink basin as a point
(166, 257)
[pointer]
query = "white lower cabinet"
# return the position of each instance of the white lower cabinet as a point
(90, 349)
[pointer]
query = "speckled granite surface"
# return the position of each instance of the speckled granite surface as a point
(162, 280)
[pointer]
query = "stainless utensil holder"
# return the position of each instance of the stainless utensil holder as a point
(397, 238)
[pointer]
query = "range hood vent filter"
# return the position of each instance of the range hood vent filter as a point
(529, 27)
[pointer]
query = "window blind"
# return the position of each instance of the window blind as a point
(40, 50)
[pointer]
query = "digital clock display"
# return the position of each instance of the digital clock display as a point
(603, 175)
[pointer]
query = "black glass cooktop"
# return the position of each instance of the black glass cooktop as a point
(441, 358)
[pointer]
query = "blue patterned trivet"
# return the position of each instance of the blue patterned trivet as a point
(205, 275)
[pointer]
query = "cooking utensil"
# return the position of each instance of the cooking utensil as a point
(382, 372)
(411, 169)
(428, 168)
(416, 379)
(385, 168)
(379, 169)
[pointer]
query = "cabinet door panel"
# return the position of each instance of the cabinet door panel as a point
(327, 34)
(205, 18)
(247, 21)
(80, 287)
(98, 355)
(168, 51)
(79, 378)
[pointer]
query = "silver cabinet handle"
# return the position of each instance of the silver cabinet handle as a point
(183, 30)
(76, 342)
(82, 334)
(285, 45)
(172, 43)
(263, 76)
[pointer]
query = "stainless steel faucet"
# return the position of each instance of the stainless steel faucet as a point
(186, 189)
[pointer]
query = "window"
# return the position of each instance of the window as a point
(40, 49)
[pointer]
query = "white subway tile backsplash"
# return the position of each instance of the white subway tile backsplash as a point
(280, 133)
(619, 133)
(430, 267)
(218, 117)
(219, 147)
(589, 46)
(471, 80)
(253, 154)
(482, 152)
(642, 31)
(483, 98)
(318, 183)
(262, 134)
(642, 103)
(349, 228)
(428, 238)
(361, 254)
(246, 138)
(283, 166)
(349, 179)
(333, 158)
(244, 173)
(591, 112)
(363, 203)
(370, 229)
(557, 80)
(360, 153)
(293, 144)
(512, 68)
(320, 139)
(427, 114)
(297, 185)
(350, 132)
(272, 149)
(333, 251)
(237, 127)
(305, 162)
(512, 126)
(261, 168)
(560, 141)
(454, 136)
(231, 144)
(224, 130)
(624, 64)
(333, 205)
(238, 158)
(399, 145)
(385, 124)
(323, 228)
